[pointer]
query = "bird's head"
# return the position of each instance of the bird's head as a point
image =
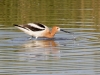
(56, 29)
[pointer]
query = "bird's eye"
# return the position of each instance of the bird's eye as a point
(57, 28)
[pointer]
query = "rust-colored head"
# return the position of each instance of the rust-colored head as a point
(56, 29)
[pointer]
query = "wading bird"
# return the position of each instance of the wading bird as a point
(39, 30)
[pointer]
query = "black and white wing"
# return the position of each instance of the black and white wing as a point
(32, 26)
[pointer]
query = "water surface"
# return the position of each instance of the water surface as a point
(61, 55)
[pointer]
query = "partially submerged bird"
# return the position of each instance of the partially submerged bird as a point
(39, 30)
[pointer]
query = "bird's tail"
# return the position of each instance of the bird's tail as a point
(16, 25)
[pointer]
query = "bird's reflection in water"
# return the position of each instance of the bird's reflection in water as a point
(40, 50)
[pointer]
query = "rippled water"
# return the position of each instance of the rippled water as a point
(62, 55)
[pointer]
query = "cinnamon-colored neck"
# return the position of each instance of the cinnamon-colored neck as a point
(51, 33)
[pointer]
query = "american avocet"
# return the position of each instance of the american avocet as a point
(39, 30)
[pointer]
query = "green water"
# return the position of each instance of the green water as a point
(62, 55)
(52, 12)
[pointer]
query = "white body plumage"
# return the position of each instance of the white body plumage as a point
(33, 29)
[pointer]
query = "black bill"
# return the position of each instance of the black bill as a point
(65, 31)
